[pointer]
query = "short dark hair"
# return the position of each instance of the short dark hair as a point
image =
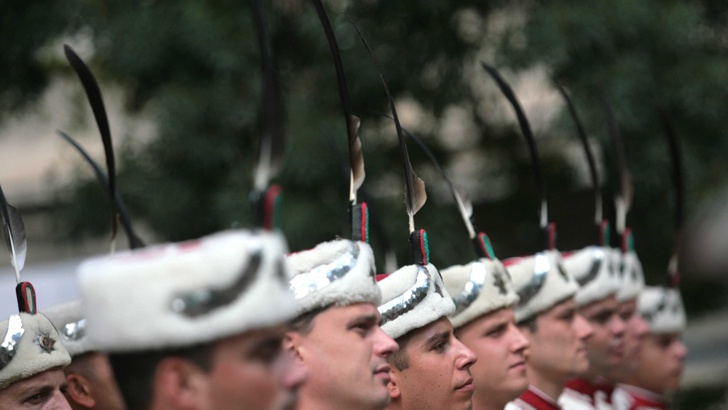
(400, 359)
(303, 323)
(134, 372)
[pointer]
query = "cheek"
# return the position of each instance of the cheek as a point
(248, 382)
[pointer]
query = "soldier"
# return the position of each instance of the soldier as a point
(661, 358)
(32, 358)
(91, 383)
(195, 325)
(432, 367)
(336, 334)
(484, 322)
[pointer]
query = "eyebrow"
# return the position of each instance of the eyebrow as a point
(368, 317)
(437, 337)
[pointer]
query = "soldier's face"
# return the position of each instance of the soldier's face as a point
(558, 344)
(438, 375)
(91, 383)
(345, 354)
(605, 347)
(251, 371)
(43, 391)
(660, 363)
(636, 332)
(500, 374)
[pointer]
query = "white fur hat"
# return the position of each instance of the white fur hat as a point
(663, 309)
(540, 281)
(70, 321)
(478, 288)
(186, 293)
(30, 345)
(631, 277)
(412, 297)
(339, 272)
(592, 269)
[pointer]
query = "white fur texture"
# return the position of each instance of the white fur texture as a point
(30, 358)
(554, 290)
(632, 278)
(356, 286)
(65, 314)
(128, 298)
(606, 283)
(663, 309)
(491, 297)
(431, 308)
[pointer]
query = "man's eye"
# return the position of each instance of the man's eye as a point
(496, 332)
(439, 347)
(38, 398)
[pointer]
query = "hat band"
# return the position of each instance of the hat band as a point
(409, 299)
(541, 268)
(322, 276)
(598, 256)
(11, 340)
(472, 288)
(201, 302)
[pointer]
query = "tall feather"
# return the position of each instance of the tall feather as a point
(356, 158)
(589, 156)
(623, 200)
(415, 195)
(459, 194)
(134, 241)
(93, 93)
(271, 109)
(526, 131)
(14, 231)
(678, 177)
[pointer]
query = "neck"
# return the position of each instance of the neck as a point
(552, 385)
(311, 403)
(490, 400)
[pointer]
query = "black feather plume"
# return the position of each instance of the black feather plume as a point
(14, 231)
(625, 189)
(97, 106)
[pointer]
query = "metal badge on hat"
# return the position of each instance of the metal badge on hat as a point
(542, 263)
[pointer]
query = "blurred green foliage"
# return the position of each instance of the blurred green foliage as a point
(195, 66)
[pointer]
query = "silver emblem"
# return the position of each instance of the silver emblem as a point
(409, 299)
(203, 301)
(472, 288)
(541, 268)
(8, 348)
(74, 331)
(322, 276)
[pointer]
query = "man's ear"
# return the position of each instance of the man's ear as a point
(292, 343)
(393, 386)
(79, 390)
(180, 382)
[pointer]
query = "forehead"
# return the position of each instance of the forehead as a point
(50, 378)
(434, 331)
(608, 303)
(561, 308)
(496, 317)
(336, 315)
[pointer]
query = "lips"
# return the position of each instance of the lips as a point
(520, 364)
(383, 372)
(467, 385)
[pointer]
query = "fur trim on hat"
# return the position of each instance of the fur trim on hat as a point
(631, 276)
(592, 269)
(537, 295)
(182, 294)
(70, 321)
(412, 297)
(339, 272)
(39, 348)
(478, 288)
(663, 309)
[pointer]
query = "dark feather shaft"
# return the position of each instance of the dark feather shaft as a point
(528, 135)
(271, 114)
(415, 194)
(589, 156)
(356, 159)
(624, 184)
(134, 241)
(93, 93)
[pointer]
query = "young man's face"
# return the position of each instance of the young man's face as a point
(438, 372)
(252, 371)
(634, 335)
(500, 375)
(660, 363)
(43, 391)
(558, 344)
(605, 347)
(345, 354)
